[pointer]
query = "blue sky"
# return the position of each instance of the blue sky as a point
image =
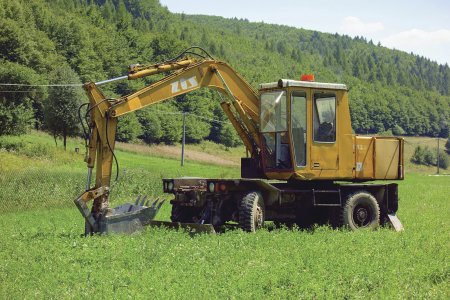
(422, 27)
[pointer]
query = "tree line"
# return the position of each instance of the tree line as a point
(74, 41)
(432, 157)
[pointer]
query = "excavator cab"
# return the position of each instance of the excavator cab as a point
(298, 128)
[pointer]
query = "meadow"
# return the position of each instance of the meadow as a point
(43, 255)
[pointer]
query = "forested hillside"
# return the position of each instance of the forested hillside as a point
(389, 89)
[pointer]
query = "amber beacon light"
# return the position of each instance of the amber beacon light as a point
(307, 77)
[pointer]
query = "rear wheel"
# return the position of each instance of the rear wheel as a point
(251, 212)
(361, 210)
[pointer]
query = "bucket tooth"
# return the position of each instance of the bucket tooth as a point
(148, 201)
(153, 203)
(160, 204)
(143, 200)
(137, 200)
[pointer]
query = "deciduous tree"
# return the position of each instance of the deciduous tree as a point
(61, 107)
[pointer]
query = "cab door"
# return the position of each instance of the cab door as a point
(324, 145)
(274, 132)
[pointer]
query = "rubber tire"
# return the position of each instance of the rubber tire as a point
(361, 199)
(248, 212)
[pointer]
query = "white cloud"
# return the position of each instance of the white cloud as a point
(354, 26)
(432, 44)
(419, 37)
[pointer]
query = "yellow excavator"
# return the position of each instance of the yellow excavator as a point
(305, 165)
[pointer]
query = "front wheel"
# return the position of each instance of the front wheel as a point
(251, 212)
(361, 210)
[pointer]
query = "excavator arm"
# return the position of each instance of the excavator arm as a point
(240, 104)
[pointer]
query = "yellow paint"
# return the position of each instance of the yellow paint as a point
(379, 157)
(350, 157)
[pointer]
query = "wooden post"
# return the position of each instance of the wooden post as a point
(438, 157)
(184, 139)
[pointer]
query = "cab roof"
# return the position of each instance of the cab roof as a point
(307, 84)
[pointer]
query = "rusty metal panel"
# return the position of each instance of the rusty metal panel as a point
(378, 158)
(387, 158)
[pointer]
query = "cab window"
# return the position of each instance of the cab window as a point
(324, 118)
(274, 131)
(298, 117)
(273, 111)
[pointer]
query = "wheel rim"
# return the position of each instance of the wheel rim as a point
(259, 217)
(363, 215)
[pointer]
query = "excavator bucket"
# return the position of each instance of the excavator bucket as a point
(126, 218)
(129, 218)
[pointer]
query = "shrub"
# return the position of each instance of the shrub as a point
(151, 126)
(128, 128)
(426, 156)
(30, 149)
(397, 130)
(171, 124)
(229, 136)
(161, 123)
(38, 150)
(419, 156)
(11, 145)
(196, 130)
(447, 146)
(386, 133)
(17, 109)
(444, 160)
(429, 157)
(15, 119)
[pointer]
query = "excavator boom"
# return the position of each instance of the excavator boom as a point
(240, 104)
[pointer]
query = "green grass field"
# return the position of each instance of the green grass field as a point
(42, 254)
